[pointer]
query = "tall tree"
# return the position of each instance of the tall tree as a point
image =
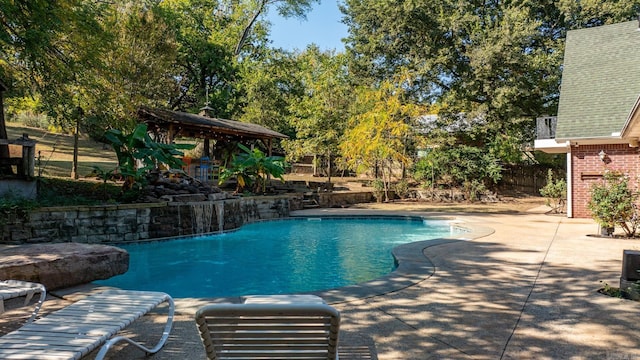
(269, 87)
(138, 66)
(380, 129)
(320, 116)
(49, 45)
(206, 34)
(214, 37)
(256, 8)
(497, 62)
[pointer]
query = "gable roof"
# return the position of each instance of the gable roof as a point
(600, 81)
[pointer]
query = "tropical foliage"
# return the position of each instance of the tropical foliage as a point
(252, 169)
(138, 154)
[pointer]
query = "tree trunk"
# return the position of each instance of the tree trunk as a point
(74, 164)
(4, 149)
(386, 181)
(329, 168)
(314, 165)
(247, 29)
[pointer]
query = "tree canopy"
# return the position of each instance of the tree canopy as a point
(485, 68)
(491, 60)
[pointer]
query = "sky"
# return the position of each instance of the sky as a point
(322, 27)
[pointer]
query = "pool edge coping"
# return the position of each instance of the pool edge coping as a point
(414, 266)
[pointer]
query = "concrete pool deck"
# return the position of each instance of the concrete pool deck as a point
(527, 290)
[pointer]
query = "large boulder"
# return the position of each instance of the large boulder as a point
(62, 265)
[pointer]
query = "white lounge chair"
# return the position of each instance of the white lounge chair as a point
(10, 289)
(269, 331)
(78, 329)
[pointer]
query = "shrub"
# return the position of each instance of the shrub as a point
(402, 188)
(12, 204)
(613, 203)
(457, 166)
(378, 189)
(556, 193)
(474, 189)
(31, 119)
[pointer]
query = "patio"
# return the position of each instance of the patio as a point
(528, 290)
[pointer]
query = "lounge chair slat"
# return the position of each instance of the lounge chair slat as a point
(51, 348)
(10, 289)
(40, 355)
(34, 336)
(273, 347)
(284, 336)
(82, 327)
(50, 341)
(269, 331)
(276, 355)
(95, 330)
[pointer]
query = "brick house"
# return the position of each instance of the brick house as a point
(598, 122)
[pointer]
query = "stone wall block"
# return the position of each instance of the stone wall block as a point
(40, 240)
(19, 236)
(67, 222)
(131, 237)
(45, 216)
(47, 232)
(96, 239)
(126, 229)
(116, 238)
(84, 239)
(89, 230)
(92, 213)
(84, 223)
(111, 229)
(66, 230)
(48, 224)
(99, 221)
(143, 219)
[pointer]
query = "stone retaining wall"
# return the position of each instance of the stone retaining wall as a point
(135, 222)
(338, 199)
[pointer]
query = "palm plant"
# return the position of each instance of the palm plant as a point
(137, 154)
(252, 168)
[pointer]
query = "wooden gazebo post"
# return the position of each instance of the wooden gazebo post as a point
(208, 112)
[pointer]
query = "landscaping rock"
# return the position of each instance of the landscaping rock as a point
(164, 186)
(62, 265)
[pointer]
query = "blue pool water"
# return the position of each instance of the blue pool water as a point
(274, 257)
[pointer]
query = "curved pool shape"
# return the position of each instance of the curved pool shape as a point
(274, 257)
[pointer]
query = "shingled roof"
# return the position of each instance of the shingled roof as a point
(197, 126)
(600, 81)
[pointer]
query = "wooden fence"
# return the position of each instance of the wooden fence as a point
(527, 179)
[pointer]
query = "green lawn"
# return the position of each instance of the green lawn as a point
(54, 152)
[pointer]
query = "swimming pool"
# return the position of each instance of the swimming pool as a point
(274, 257)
